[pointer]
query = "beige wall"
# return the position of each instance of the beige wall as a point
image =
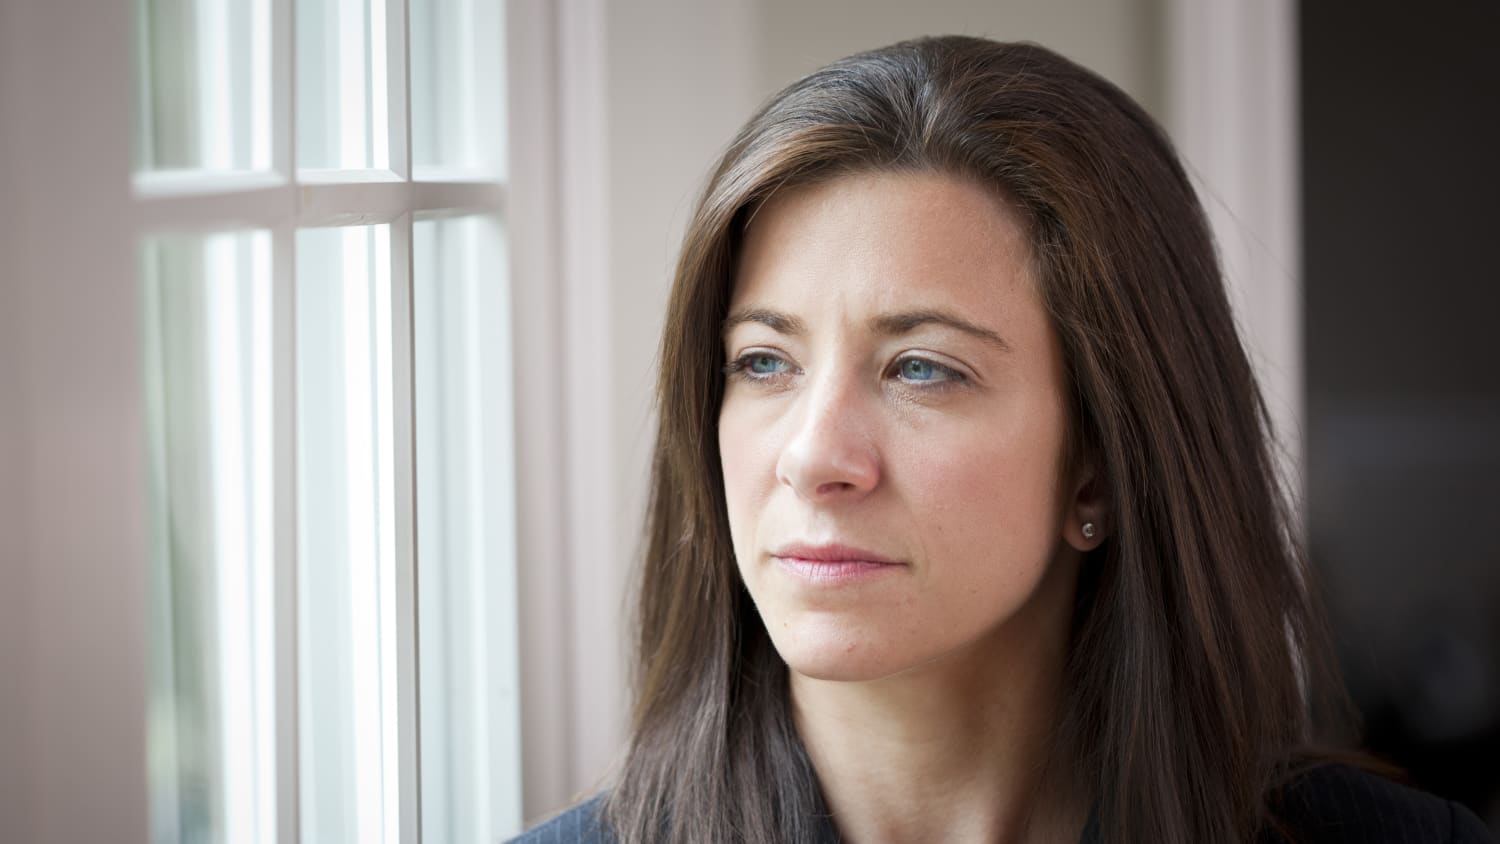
(1120, 39)
(14, 621)
(681, 83)
(72, 557)
(677, 79)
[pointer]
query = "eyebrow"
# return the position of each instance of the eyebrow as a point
(894, 324)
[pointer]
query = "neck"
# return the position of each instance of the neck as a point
(953, 750)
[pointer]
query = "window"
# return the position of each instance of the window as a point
(326, 321)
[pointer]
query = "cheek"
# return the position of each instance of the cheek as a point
(984, 501)
(748, 466)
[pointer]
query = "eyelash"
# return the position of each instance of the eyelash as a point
(739, 369)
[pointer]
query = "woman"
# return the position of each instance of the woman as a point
(964, 525)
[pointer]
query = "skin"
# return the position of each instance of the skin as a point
(923, 691)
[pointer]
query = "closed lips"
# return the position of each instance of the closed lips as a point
(833, 554)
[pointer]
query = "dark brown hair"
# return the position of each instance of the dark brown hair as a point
(1197, 648)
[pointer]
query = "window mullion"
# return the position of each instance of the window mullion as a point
(284, 437)
(359, 202)
(403, 423)
(208, 210)
(398, 16)
(399, 91)
(284, 457)
(284, 89)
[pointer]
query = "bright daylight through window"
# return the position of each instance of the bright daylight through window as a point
(326, 317)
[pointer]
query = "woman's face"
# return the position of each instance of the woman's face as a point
(893, 427)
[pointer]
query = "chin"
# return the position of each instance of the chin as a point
(839, 671)
(837, 654)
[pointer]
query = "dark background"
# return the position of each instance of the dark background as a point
(1401, 214)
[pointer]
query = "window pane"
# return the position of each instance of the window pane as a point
(203, 87)
(470, 724)
(211, 746)
(346, 567)
(458, 85)
(342, 85)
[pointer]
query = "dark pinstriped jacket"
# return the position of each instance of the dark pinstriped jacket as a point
(1330, 805)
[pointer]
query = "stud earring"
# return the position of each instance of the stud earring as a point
(1088, 530)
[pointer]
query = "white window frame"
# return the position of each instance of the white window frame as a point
(73, 601)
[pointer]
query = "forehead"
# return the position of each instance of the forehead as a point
(877, 241)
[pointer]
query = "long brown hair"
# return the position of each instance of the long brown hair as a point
(1197, 648)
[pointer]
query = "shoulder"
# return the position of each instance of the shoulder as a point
(1340, 803)
(578, 825)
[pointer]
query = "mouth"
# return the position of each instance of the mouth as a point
(833, 563)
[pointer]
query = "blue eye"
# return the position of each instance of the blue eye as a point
(919, 371)
(758, 368)
(765, 364)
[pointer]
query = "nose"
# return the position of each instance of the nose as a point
(831, 452)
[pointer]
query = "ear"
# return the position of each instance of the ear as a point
(1089, 504)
